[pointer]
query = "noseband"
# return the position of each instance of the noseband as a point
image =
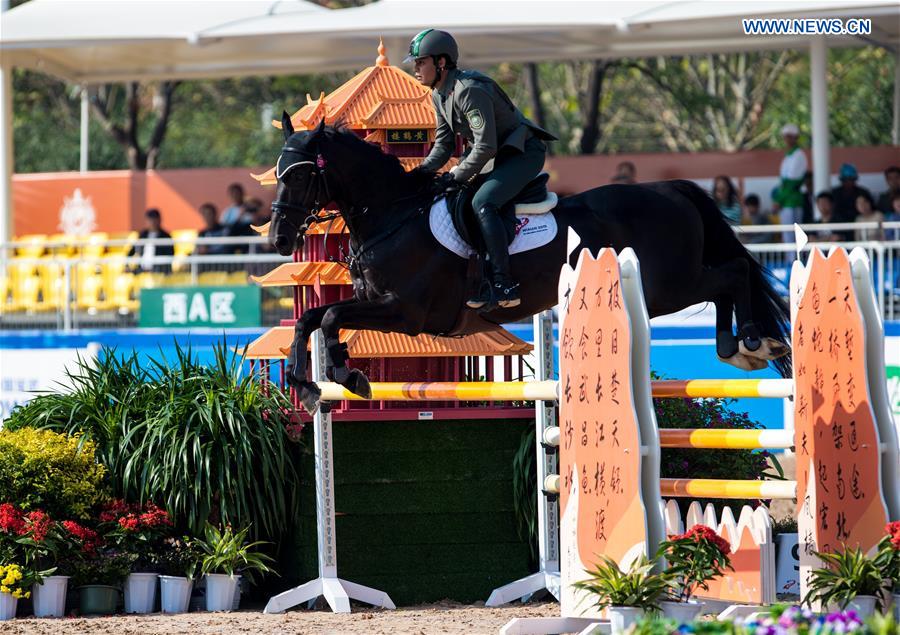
(317, 179)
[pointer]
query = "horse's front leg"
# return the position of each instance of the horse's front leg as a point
(383, 314)
(297, 374)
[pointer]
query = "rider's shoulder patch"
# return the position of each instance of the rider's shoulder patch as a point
(476, 119)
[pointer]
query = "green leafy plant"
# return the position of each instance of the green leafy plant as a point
(524, 480)
(228, 552)
(638, 587)
(217, 448)
(57, 473)
(136, 529)
(694, 558)
(210, 437)
(108, 568)
(847, 573)
(180, 557)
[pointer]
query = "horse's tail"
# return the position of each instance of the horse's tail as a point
(720, 245)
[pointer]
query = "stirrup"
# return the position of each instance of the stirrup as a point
(507, 294)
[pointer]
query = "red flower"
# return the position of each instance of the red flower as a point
(88, 538)
(154, 516)
(702, 532)
(113, 510)
(11, 519)
(37, 524)
(129, 522)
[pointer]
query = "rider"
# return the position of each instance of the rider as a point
(474, 106)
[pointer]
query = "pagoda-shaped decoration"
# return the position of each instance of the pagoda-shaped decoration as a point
(383, 104)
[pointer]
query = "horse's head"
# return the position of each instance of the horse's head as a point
(302, 188)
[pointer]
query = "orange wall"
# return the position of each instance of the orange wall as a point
(120, 197)
(572, 174)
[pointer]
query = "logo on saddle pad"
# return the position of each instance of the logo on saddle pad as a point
(531, 231)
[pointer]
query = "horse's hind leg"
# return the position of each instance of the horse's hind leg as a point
(723, 285)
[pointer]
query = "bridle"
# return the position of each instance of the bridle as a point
(317, 180)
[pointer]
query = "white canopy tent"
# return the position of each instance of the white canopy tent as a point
(95, 41)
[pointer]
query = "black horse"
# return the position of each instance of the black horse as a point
(406, 282)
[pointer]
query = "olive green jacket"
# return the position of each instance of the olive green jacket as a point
(473, 105)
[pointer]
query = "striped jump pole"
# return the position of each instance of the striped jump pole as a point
(709, 439)
(448, 391)
(710, 488)
(724, 388)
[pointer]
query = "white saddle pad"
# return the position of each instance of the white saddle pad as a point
(531, 231)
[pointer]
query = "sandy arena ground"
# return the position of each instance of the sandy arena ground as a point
(449, 618)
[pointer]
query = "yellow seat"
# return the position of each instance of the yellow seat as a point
(34, 247)
(184, 241)
(4, 293)
(61, 246)
(238, 278)
(150, 280)
(123, 249)
(213, 278)
(20, 269)
(178, 280)
(53, 285)
(122, 292)
(94, 245)
(89, 292)
(25, 294)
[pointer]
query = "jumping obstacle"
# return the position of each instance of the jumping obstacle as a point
(609, 486)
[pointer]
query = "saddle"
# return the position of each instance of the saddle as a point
(533, 199)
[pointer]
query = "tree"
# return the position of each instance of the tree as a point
(104, 102)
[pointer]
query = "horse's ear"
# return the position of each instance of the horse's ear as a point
(321, 127)
(286, 126)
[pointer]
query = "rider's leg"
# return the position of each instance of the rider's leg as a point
(512, 172)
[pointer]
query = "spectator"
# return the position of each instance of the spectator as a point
(866, 213)
(845, 195)
(212, 229)
(726, 197)
(893, 216)
(234, 213)
(788, 199)
(625, 173)
(892, 178)
(825, 208)
(754, 216)
(151, 250)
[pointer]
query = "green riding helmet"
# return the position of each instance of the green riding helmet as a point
(433, 42)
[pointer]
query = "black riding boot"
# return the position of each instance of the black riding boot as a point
(503, 290)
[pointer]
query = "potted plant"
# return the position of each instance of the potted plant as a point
(849, 579)
(694, 558)
(178, 562)
(138, 530)
(224, 554)
(99, 579)
(44, 546)
(888, 562)
(14, 583)
(627, 595)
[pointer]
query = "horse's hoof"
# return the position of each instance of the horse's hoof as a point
(768, 349)
(744, 362)
(310, 396)
(358, 384)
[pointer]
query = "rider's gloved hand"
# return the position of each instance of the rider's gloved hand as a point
(445, 182)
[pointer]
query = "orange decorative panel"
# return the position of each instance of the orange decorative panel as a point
(839, 495)
(304, 274)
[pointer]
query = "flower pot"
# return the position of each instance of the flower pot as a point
(621, 617)
(175, 593)
(140, 592)
(220, 590)
(98, 599)
(7, 606)
(682, 612)
(50, 596)
(864, 605)
(897, 606)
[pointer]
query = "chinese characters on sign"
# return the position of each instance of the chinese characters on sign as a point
(407, 136)
(600, 445)
(838, 493)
